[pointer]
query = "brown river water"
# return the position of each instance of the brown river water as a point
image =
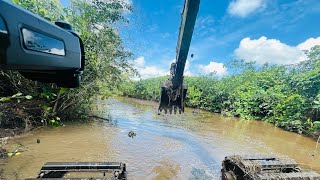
(165, 147)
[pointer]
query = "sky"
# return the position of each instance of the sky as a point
(264, 31)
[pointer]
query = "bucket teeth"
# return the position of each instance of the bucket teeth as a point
(170, 103)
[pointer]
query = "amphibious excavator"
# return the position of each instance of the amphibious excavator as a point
(54, 53)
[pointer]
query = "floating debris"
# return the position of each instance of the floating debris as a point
(14, 153)
(132, 134)
(195, 111)
(38, 141)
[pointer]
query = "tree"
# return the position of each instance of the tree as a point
(287, 96)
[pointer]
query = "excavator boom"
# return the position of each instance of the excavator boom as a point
(173, 91)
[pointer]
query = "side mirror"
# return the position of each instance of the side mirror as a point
(38, 49)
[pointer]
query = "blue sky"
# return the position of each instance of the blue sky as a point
(264, 31)
(273, 31)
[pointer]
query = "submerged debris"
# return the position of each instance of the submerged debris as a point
(195, 111)
(3, 153)
(3, 141)
(132, 134)
(1, 172)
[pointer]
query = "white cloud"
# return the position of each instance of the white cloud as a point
(265, 50)
(151, 71)
(214, 67)
(148, 71)
(273, 51)
(243, 8)
(139, 62)
(309, 43)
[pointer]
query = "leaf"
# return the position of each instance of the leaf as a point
(316, 102)
(5, 99)
(17, 95)
(63, 90)
(52, 120)
(57, 118)
(315, 106)
(10, 154)
(28, 97)
(17, 154)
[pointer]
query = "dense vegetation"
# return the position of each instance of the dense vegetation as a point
(288, 96)
(26, 103)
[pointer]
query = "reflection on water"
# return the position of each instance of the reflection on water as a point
(165, 147)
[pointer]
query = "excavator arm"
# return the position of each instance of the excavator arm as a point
(173, 91)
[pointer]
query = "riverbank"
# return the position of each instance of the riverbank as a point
(5, 135)
(3, 155)
(314, 135)
(286, 96)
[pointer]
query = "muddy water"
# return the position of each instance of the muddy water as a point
(165, 147)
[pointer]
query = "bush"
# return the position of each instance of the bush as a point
(316, 126)
(287, 96)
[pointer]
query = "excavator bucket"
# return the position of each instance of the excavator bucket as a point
(173, 91)
(172, 102)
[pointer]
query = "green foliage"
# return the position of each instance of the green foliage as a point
(55, 122)
(147, 89)
(316, 126)
(313, 126)
(51, 9)
(17, 96)
(290, 108)
(288, 96)
(194, 96)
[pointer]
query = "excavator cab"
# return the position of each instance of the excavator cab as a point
(39, 49)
